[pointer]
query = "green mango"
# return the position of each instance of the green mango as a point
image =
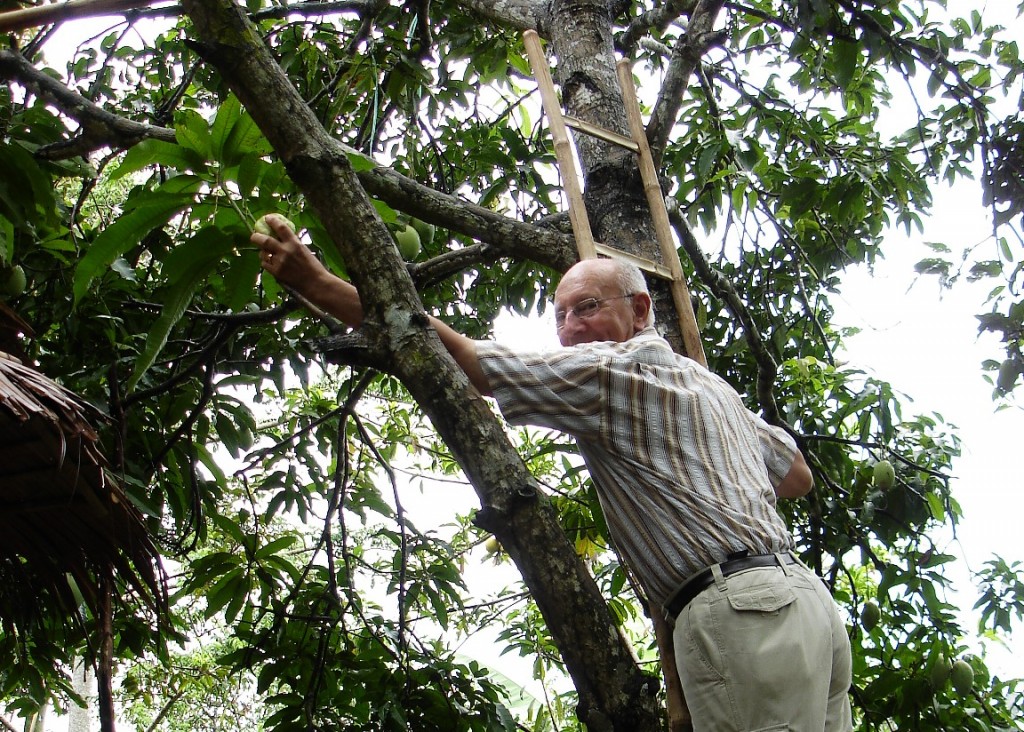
(869, 616)
(409, 245)
(884, 475)
(962, 676)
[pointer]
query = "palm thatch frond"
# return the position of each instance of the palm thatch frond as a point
(64, 520)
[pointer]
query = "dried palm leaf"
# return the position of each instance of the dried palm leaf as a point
(63, 517)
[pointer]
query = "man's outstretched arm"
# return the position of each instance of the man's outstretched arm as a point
(293, 264)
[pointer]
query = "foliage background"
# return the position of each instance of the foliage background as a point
(145, 293)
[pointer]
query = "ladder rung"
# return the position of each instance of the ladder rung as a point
(647, 265)
(601, 133)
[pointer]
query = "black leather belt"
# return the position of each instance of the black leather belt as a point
(700, 581)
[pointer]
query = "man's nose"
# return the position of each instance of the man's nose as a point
(570, 327)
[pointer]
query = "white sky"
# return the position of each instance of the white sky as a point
(925, 342)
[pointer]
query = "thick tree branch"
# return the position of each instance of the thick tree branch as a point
(544, 246)
(450, 263)
(699, 37)
(518, 14)
(105, 654)
(16, 20)
(614, 695)
(98, 127)
(352, 349)
(658, 18)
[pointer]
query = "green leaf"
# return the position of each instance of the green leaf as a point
(223, 122)
(194, 133)
(707, 159)
(158, 152)
(31, 185)
(224, 591)
(201, 255)
(249, 170)
(246, 138)
(1004, 249)
(6, 240)
(273, 183)
(150, 211)
(846, 54)
(360, 162)
(276, 546)
(240, 279)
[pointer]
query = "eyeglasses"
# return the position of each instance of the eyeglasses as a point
(586, 308)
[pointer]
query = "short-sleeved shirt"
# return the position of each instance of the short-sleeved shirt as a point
(684, 471)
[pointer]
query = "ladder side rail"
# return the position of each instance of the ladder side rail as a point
(563, 149)
(662, 227)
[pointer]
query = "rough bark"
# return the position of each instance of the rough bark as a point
(614, 694)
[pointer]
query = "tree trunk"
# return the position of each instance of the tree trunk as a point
(620, 215)
(581, 40)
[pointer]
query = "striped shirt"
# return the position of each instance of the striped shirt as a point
(684, 471)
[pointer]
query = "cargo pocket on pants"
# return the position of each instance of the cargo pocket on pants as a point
(765, 599)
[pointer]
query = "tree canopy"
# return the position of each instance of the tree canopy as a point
(272, 451)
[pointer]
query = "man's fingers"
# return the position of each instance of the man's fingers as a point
(261, 240)
(282, 227)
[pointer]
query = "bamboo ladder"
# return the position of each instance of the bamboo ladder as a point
(679, 718)
(671, 270)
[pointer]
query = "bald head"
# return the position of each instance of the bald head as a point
(622, 308)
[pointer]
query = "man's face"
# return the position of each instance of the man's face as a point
(615, 318)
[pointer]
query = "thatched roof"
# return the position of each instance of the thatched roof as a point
(64, 519)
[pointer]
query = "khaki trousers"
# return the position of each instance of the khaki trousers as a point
(765, 650)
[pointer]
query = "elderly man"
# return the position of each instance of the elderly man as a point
(688, 480)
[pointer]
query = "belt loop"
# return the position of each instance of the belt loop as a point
(716, 571)
(782, 562)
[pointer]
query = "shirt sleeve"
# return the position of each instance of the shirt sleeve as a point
(560, 389)
(778, 449)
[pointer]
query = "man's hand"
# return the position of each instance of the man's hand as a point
(290, 261)
(294, 265)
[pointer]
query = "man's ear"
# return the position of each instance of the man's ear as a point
(641, 310)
